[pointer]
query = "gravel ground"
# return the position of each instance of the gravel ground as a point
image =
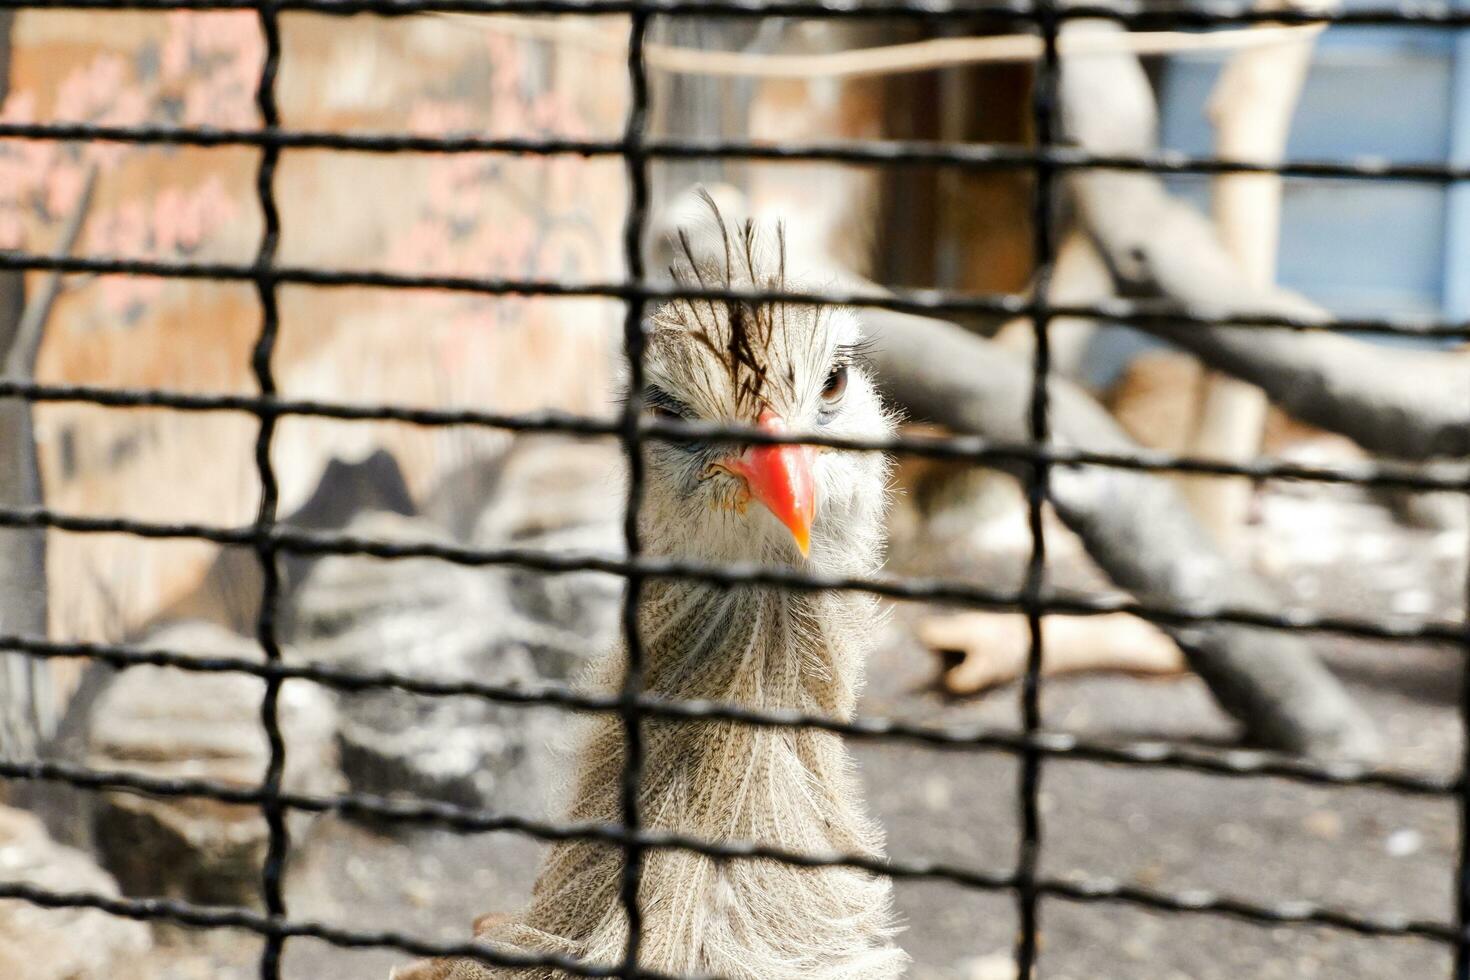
(1262, 840)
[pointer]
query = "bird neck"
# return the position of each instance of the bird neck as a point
(756, 647)
(794, 789)
(765, 650)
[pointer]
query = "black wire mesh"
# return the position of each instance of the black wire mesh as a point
(270, 539)
(632, 436)
(1038, 482)
(274, 869)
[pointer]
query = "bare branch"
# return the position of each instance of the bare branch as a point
(28, 708)
(20, 360)
(1407, 403)
(1135, 526)
(888, 59)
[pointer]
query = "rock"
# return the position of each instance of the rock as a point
(171, 724)
(428, 619)
(559, 494)
(65, 943)
(454, 750)
(498, 625)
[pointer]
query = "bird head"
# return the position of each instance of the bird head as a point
(785, 368)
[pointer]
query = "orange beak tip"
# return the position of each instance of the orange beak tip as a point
(780, 478)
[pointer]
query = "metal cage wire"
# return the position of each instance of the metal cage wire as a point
(269, 539)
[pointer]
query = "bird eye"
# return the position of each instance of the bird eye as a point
(663, 406)
(836, 385)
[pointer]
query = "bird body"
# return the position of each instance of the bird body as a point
(779, 366)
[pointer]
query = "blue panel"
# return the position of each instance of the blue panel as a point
(1390, 100)
(1457, 232)
(1358, 247)
(1364, 248)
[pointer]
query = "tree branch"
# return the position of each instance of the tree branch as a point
(28, 708)
(1135, 526)
(1406, 403)
(25, 346)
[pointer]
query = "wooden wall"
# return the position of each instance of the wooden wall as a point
(470, 214)
(465, 214)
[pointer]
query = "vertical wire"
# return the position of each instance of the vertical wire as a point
(1462, 878)
(1043, 105)
(635, 160)
(265, 547)
(1459, 201)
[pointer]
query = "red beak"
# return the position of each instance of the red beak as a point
(780, 477)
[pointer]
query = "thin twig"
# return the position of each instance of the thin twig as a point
(21, 360)
(892, 59)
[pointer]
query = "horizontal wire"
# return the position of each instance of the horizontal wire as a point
(546, 422)
(248, 920)
(1207, 902)
(921, 301)
(970, 156)
(468, 820)
(1204, 14)
(1240, 763)
(975, 449)
(303, 541)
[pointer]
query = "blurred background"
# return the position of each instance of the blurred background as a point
(1299, 246)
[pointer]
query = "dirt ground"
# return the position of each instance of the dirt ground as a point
(1258, 839)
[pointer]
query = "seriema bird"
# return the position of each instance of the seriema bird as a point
(781, 367)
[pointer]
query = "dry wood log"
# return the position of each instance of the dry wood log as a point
(1135, 526)
(991, 648)
(929, 54)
